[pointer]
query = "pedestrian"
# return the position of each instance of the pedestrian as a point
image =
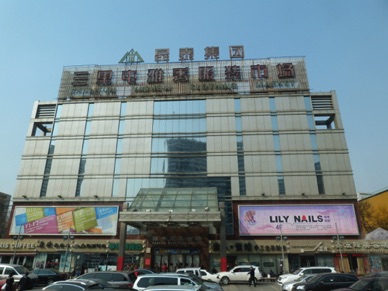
(9, 282)
(252, 278)
(164, 268)
(24, 282)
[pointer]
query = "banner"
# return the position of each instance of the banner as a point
(80, 220)
(297, 220)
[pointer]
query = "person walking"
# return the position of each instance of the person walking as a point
(9, 283)
(23, 283)
(252, 278)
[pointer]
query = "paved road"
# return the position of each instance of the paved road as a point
(259, 287)
(236, 287)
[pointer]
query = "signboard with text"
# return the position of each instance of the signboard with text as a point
(295, 220)
(212, 76)
(87, 220)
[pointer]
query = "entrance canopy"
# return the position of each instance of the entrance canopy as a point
(168, 207)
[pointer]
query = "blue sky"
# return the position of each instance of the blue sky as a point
(345, 44)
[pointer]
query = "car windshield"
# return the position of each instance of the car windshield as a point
(314, 279)
(304, 278)
(309, 278)
(297, 272)
(21, 270)
(196, 279)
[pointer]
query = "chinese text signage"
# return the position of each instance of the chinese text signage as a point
(297, 220)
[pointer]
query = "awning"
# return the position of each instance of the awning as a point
(173, 207)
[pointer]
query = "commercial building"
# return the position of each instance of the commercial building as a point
(209, 163)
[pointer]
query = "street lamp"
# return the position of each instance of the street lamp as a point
(107, 258)
(17, 238)
(281, 238)
(67, 238)
(338, 237)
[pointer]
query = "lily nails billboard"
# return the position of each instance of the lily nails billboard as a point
(87, 220)
(297, 220)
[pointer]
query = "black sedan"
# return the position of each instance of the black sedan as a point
(48, 276)
(376, 282)
(326, 282)
(83, 285)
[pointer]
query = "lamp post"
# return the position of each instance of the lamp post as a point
(17, 238)
(223, 259)
(67, 238)
(339, 247)
(281, 238)
(106, 261)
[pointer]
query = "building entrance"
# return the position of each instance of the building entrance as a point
(169, 260)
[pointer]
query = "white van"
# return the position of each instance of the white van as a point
(144, 281)
(18, 272)
(201, 273)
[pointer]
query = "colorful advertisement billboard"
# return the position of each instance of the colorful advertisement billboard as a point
(80, 220)
(297, 220)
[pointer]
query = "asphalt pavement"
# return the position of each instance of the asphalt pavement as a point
(262, 286)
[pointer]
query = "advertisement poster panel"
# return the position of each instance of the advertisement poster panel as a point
(297, 220)
(80, 220)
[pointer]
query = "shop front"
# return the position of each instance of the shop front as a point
(81, 254)
(356, 256)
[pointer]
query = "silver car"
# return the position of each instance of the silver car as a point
(288, 285)
(175, 288)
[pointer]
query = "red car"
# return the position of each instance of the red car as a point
(2, 282)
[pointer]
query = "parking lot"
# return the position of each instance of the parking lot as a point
(262, 286)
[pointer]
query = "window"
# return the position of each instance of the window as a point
(324, 121)
(42, 128)
(186, 282)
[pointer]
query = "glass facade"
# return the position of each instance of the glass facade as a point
(238, 136)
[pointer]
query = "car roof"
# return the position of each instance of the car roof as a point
(243, 266)
(166, 274)
(83, 282)
(334, 274)
(124, 272)
(172, 287)
(303, 268)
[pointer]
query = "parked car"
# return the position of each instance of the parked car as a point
(326, 282)
(115, 278)
(175, 288)
(373, 282)
(144, 281)
(133, 274)
(304, 271)
(201, 273)
(82, 285)
(18, 271)
(48, 276)
(288, 285)
(2, 282)
(238, 274)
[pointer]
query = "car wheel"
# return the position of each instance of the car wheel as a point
(224, 280)
(50, 281)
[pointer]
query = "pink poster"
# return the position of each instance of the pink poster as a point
(45, 225)
(294, 220)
